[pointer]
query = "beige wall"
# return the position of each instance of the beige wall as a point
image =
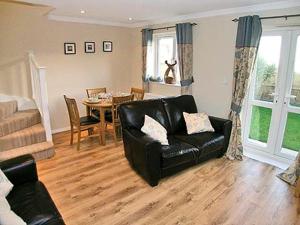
(25, 28)
(214, 45)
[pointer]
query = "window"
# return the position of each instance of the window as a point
(164, 49)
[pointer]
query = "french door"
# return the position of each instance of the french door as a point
(272, 112)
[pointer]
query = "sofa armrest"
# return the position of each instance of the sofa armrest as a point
(144, 154)
(20, 169)
(222, 126)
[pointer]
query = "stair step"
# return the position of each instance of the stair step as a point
(27, 136)
(18, 121)
(8, 108)
(39, 151)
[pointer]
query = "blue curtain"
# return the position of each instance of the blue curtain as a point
(147, 39)
(184, 35)
(247, 41)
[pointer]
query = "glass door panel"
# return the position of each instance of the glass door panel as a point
(295, 93)
(291, 138)
(267, 65)
(263, 92)
(260, 123)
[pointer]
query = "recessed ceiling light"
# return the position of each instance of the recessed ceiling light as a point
(82, 11)
(129, 18)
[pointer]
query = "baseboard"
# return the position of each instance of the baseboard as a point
(55, 131)
(277, 161)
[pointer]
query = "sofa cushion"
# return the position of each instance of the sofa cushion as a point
(7, 216)
(32, 202)
(155, 130)
(206, 142)
(197, 123)
(133, 113)
(5, 185)
(178, 152)
(175, 108)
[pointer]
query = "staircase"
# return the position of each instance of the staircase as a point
(21, 132)
(27, 131)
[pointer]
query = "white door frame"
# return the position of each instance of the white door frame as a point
(282, 89)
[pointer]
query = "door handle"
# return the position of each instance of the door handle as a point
(275, 95)
(287, 97)
(291, 96)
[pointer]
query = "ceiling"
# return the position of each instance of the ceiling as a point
(145, 12)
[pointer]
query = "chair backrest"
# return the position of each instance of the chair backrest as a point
(73, 111)
(116, 102)
(137, 93)
(93, 92)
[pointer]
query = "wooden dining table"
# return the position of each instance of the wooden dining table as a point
(103, 105)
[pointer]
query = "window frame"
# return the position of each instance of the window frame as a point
(156, 38)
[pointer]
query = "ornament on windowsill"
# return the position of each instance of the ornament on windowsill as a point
(170, 79)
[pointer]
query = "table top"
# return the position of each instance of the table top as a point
(103, 103)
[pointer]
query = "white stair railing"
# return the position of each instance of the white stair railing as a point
(39, 92)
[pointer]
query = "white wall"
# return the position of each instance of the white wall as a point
(214, 46)
(24, 28)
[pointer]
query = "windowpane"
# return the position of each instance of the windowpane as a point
(267, 68)
(292, 132)
(165, 52)
(295, 99)
(260, 123)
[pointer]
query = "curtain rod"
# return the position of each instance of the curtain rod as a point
(272, 17)
(163, 28)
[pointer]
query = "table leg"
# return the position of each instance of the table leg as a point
(88, 113)
(102, 124)
(88, 110)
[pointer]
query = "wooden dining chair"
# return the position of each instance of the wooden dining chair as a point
(78, 123)
(114, 119)
(93, 92)
(137, 93)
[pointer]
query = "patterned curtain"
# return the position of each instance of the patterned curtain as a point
(147, 38)
(291, 174)
(184, 35)
(247, 41)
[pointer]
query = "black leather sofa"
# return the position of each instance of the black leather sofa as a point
(154, 161)
(29, 198)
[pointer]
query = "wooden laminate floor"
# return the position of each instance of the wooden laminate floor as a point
(96, 186)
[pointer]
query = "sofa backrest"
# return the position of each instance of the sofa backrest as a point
(175, 107)
(132, 114)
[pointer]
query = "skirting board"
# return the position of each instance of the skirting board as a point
(59, 130)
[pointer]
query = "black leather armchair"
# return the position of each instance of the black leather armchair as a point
(154, 161)
(29, 198)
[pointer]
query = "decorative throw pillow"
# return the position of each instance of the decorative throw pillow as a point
(5, 185)
(7, 216)
(197, 123)
(155, 130)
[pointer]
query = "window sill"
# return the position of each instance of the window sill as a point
(163, 83)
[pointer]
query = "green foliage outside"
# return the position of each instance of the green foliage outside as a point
(265, 72)
(260, 125)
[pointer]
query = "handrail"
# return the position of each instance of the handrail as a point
(39, 92)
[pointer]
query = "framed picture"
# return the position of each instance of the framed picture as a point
(70, 48)
(107, 46)
(89, 47)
